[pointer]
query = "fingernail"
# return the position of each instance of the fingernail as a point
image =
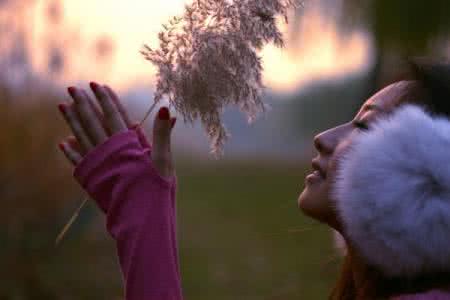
(93, 85)
(163, 113)
(61, 146)
(71, 90)
(172, 122)
(61, 107)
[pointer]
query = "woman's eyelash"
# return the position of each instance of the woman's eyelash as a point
(361, 125)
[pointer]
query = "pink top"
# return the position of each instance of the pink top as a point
(431, 295)
(140, 215)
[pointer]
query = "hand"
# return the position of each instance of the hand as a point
(92, 126)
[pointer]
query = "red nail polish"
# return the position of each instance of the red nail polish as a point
(61, 107)
(163, 113)
(172, 122)
(61, 146)
(93, 85)
(71, 90)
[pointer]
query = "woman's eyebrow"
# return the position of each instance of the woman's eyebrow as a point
(372, 107)
(369, 107)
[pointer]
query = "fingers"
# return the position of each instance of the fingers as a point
(70, 152)
(126, 118)
(97, 111)
(71, 118)
(173, 121)
(112, 117)
(89, 117)
(119, 106)
(161, 153)
(141, 135)
(92, 125)
(73, 143)
(161, 131)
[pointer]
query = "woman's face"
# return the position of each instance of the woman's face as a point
(315, 200)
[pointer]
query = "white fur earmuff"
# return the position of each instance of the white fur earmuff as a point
(393, 192)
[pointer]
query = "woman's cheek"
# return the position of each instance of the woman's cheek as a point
(338, 154)
(333, 170)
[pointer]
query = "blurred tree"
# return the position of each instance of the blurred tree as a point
(401, 28)
(15, 30)
(54, 12)
(103, 52)
(398, 29)
(54, 43)
(104, 48)
(37, 193)
(407, 25)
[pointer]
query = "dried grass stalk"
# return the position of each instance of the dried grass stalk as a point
(207, 59)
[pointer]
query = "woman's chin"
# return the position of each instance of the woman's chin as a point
(313, 204)
(315, 208)
(303, 202)
(308, 197)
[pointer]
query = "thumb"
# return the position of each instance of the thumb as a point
(161, 154)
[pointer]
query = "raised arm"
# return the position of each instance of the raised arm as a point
(133, 184)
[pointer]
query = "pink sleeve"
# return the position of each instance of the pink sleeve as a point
(140, 214)
(430, 295)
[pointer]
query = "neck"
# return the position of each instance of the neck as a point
(363, 276)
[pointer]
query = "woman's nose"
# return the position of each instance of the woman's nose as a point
(318, 143)
(325, 142)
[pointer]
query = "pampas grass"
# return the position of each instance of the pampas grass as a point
(207, 59)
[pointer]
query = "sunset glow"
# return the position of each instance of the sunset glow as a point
(319, 52)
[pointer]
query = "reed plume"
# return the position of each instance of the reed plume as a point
(208, 59)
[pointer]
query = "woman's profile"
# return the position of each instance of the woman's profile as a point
(133, 181)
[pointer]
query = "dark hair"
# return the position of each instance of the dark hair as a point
(433, 94)
(435, 78)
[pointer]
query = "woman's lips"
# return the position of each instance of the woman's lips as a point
(318, 167)
(314, 177)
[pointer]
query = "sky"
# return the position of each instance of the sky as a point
(319, 52)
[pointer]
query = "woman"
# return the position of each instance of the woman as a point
(134, 183)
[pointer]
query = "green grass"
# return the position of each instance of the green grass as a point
(241, 236)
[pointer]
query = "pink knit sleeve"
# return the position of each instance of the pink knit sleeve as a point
(140, 214)
(430, 295)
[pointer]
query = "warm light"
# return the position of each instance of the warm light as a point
(319, 52)
(129, 24)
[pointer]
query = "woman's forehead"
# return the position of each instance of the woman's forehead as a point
(390, 97)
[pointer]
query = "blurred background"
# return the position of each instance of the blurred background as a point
(240, 233)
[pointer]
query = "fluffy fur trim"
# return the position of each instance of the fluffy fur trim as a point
(393, 192)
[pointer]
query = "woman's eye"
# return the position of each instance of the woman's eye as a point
(361, 125)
